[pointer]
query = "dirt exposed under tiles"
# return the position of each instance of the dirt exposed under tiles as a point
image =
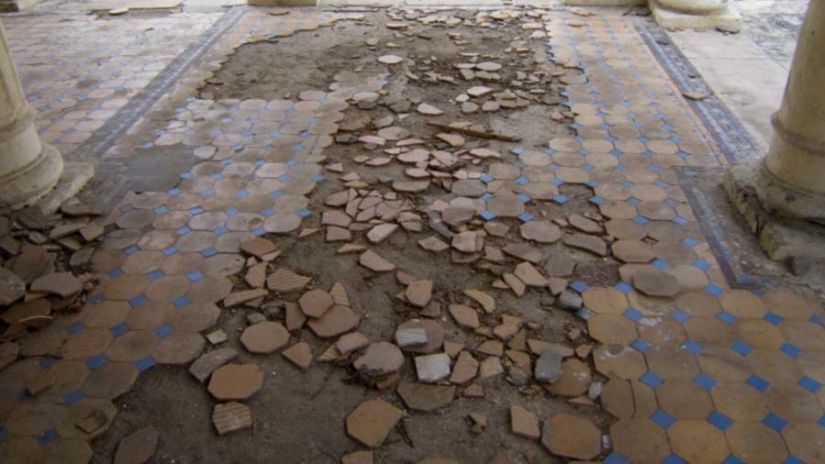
(299, 416)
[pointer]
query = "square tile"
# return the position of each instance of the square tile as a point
(720, 421)
(775, 422)
(662, 419)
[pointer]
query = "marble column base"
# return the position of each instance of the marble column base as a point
(726, 19)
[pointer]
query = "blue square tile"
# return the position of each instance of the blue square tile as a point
(119, 330)
(488, 215)
(169, 251)
(47, 437)
(232, 211)
(633, 314)
(161, 210)
(651, 380)
(579, 286)
(97, 361)
(304, 213)
(662, 419)
(155, 275)
(220, 230)
(486, 197)
(75, 327)
(211, 251)
(163, 331)
(132, 250)
(557, 182)
(561, 199)
(624, 287)
(810, 384)
(145, 363)
(523, 198)
(714, 290)
(641, 220)
(680, 221)
(726, 317)
(269, 212)
(720, 421)
(774, 319)
(641, 345)
(731, 459)
(615, 458)
(276, 194)
(775, 422)
(690, 242)
(596, 200)
(526, 217)
(758, 383)
(173, 192)
(692, 347)
(241, 194)
(521, 180)
(196, 210)
(701, 265)
(195, 276)
(73, 398)
(115, 273)
(704, 381)
(791, 459)
(180, 302)
(486, 178)
(674, 459)
(680, 316)
(518, 150)
(633, 201)
(791, 350)
(137, 301)
(821, 421)
(660, 264)
(183, 230)
(741, 348)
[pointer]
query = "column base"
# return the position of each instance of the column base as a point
(727, 19)
(282, 3)
(782, 237)
(75, 177)
(46, 182)
(605, 2)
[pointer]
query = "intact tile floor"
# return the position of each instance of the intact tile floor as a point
(712, 375)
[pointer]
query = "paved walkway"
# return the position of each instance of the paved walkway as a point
(703, 373)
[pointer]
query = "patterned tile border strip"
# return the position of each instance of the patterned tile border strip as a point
(732, 138)
(103, 138)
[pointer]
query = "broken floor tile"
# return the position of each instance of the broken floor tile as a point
(138, 447)
(524, 423)
(351, 342)
(258, 247)
(285, 281)
(208, 362)
(315, 303)
(548, 367)
(433, 367)
(236, 381)
(299, 354)
(336, 321)
(465, 369)
(424, 397)
(571, 437)
(264, 337)
(380, 358)
(419, 293)
(371, 260)
(358, 457)
(231, 417)
(433, 330)
(372, 421)
(653, 282)
(465, 316)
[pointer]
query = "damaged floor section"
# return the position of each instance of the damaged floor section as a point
(399, 236)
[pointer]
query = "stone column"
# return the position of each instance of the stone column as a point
(696, 14)
(782, 197)
(29, 169)
(792, 178)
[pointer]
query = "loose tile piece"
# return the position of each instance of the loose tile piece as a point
(231, 417)
(372, 421)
